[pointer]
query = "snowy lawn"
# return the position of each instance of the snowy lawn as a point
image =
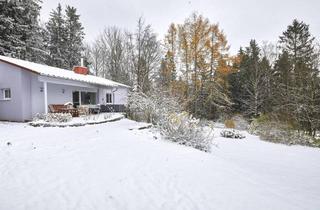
(109, 166)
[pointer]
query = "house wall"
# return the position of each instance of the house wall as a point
(18, 80)
(120, 95)
(37, 97)
(56, 95)
(26, 95)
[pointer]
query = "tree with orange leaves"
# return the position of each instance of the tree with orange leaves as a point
(198, 52)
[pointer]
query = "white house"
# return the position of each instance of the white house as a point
(28, 88)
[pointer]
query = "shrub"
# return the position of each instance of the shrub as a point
(57, 117)
(184, 129)
(90, 117)
(229, 124)
(231, 134)
(39, 116)
(164, 112)
(279, 132)
(107, 116)
(240, 122)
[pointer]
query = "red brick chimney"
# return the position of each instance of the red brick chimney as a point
(81, 69)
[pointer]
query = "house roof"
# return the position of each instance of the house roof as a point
(59, 73)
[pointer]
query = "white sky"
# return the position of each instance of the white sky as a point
(241, 20)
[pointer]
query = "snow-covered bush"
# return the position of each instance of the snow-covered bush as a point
(38, 117)
(90, 117)
(164, 112)
(186, 130)
(227, 133)
(107, 116)
(240, 122)
(57, 117)
(275, 131)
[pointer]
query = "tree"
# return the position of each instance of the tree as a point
(20, 33)
(300, 77)
(196, 60)
(73, 36)
(251, 84)
(299, 44)
(146, 55)
(168, 64)
(64, 38)
(57, 38)
(111, 55)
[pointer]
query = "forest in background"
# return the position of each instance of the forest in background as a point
(272, 81)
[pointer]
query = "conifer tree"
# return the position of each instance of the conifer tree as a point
(299, 44)
(302, 80)
(251, 82)
(74, 36)
(20, 33)
(57, 38)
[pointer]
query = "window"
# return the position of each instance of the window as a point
(6, 94)
(83, 98)
(88, 98)
(108, 98)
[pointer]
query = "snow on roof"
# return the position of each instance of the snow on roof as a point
(60, 73)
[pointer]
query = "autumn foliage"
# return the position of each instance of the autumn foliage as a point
(195, 65)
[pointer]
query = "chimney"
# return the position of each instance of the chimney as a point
(82, 62)
(81, 69)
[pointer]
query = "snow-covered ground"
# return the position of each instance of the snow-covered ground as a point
(112, 166)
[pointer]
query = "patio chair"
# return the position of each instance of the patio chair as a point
(83, 110)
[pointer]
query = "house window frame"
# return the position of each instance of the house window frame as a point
(4, 94)
(110, 97)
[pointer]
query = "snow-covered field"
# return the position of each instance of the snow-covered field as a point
(109, 166)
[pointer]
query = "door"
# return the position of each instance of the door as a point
(75, 98)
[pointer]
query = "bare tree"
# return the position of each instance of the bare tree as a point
(110, 55)
(147, 55)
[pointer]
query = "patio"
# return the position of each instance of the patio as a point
(79, 110)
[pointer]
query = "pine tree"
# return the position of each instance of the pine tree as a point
(299, 44)
(74, 36)
(20, 33)
(251, 84)
(57, 38)
(9, 41)
(302, 80)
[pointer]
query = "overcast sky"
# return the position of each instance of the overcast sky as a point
(240, 20)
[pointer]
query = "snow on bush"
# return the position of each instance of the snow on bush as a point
(278, 132)
(107, 116)
(184, 129)
(90, 117)
(54, 117)
(38, 116)
(227, 133)
(164, 113)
